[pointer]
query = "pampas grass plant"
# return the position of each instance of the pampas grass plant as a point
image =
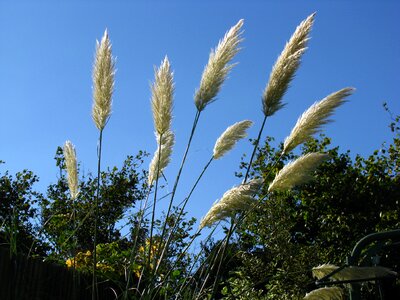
(238, 201)
(281, 75)
(214, 75)
(103, 88)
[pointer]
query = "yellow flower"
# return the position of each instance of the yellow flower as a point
(69, 263)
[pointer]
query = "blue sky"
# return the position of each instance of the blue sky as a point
(46, 56)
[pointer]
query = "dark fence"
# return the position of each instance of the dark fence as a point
(22, 278)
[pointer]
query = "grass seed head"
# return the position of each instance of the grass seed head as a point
(218, 67)
(162, 97)
(325, 293)
(103, 82)
(72, 169)
(285, 68)
(230, 137)
(162, 156)
(313, 118)
(239, 198)
(297, 172)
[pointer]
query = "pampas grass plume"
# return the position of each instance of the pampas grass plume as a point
(325, 293)
(297, 172)
(314, 117)
(230, 137)
(72, 169)
(323, 270)
(103, 82)
(285, 67)
(218, 67)
(239, 198)
(162, 94)
(161, 159)
(352, 273)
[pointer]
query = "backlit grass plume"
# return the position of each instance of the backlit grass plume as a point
(161, 159)
(285, 67)
(218, 67)
(72, 170)
(103, 82)
(239, 198)
(325, 293)
(352, 273)
(297, 172)
(230, 137)
(162, 94)
(323, 270)
(313, 118)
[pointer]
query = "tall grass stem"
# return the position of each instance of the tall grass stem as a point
(181, 211)
(96, 211)
(195, 121)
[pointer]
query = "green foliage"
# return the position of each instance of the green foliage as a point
(63, 219)
(18, 213)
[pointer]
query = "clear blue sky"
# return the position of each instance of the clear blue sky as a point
(46, 56)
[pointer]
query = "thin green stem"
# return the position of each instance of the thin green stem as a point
(181, 211)
(254, 150)
(185, 282)
(164, 226)
(225, 247)
(136, 235)
(181, 255)
(196, 119)
(96, 211)
(233, 227)
(154, 203)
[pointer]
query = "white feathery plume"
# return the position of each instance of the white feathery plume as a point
(285, 67)
(352, 273)
(103, 82)
(218, 67)
(297, 172)
(314, 117)
(161, 159)
(325, 293)
(323, 270)
(230, 137)
(238, 198)
(161, 99)
(72, 169)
